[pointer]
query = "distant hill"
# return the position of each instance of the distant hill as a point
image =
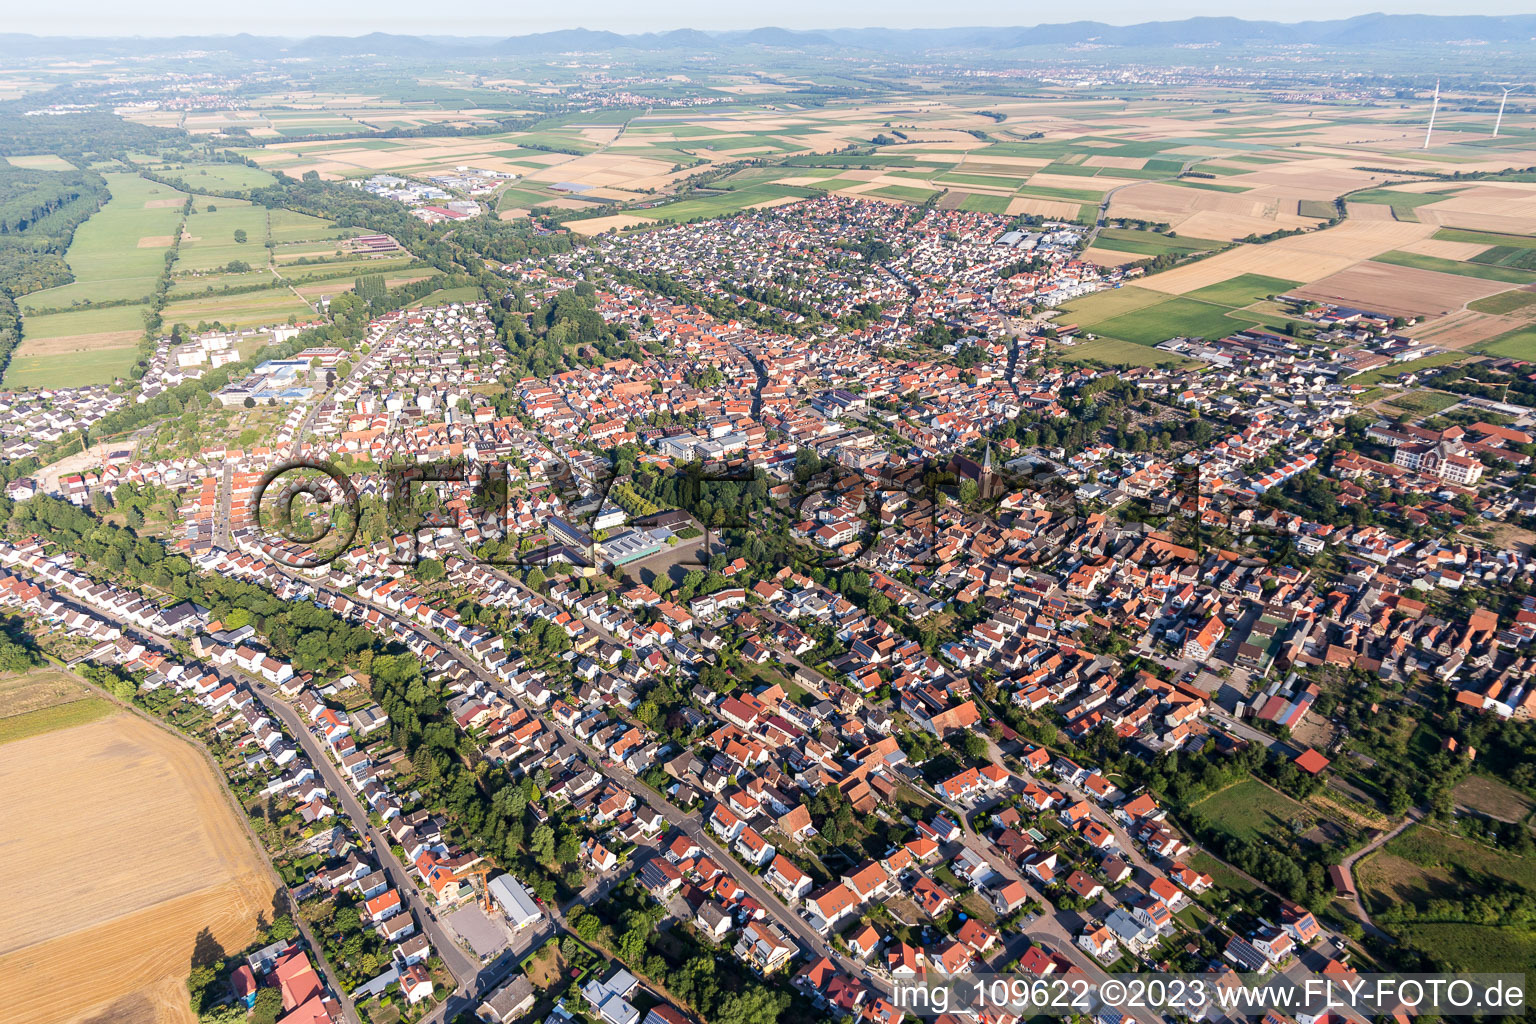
(1368, 30)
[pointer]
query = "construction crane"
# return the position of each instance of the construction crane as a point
(484, 874)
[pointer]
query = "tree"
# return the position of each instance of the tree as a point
(543, 843)
(224, 1014)
(269, 1006)
(240, 236)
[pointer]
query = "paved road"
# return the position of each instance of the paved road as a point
(1348, 863)
(782, 914)
(463, 968)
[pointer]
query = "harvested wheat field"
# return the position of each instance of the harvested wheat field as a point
(597, 225)
(1400, 291)
(1459, 251)
(1042, 208)
(129, 849)
(1462, 328)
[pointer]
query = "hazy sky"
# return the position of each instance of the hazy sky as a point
(296, 18)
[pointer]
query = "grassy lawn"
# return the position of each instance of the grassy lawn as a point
(443, 296)
(1424, 403)
(1243, 289)
(1251, 810)
(1425, 864)
(107, 319)
(289, 226)
(1508, 275)
(59, 716)
(1210, 186)
(1517, 344)
(1222, 873)
(1489, 796)
(1515, 302)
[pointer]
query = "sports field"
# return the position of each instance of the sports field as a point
(130, 849)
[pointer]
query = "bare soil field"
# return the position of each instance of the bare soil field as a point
(1399, 290)
(130, 849)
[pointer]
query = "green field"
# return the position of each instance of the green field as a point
(1403, 203)
(1423, 403)
(985, 204)
(1411, 366)
(1243, 290)
(251, 309)
(218, 177)
(903, 192)
(288, 226)
(443, 296)
(119, 252)
(1209, 186)
(1518, 344)
(1078, 195)
(724, 205)
(71, 369)
(1114, 353)
(1150, 243)
(105, 320)
(1425, 864)
(1508, 275)
(1516, 302)
(212, 236)
(1250, 811)
(1173, 318)
(1322, 209)
(1518, 256)
(1485, 238)
(1092, 310)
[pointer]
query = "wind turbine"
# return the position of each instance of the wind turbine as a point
(1430, 130)
(1500, 119)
